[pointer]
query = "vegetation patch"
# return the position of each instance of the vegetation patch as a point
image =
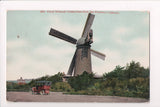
(129, 81)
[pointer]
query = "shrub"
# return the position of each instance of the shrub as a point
(62, 87)
(81, 82)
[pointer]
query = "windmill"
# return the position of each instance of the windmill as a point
(81, 60)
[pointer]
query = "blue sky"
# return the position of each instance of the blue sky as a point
(122, 37)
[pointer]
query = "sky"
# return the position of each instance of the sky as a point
(122, 36)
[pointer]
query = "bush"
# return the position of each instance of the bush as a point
(15, 87)
(129, 81)
(81, 82)
(62, 87)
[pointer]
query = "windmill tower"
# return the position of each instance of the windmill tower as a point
(81, 60)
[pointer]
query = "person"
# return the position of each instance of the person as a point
(37, 87)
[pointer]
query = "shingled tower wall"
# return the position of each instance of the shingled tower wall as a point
(83, 60)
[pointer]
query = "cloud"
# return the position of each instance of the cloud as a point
(119, 33)
(55, 56)
(122, 31)
(40, 61)
(59, 57)
(136, 49)
(47, 50)
(141, 43)
(16, 44)
(28, 66)
(140, 52)
(113, 58)
(66, 27)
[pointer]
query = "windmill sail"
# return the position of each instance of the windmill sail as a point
(72, 65)
(88, 25)
(62, 36)
(98, 54)
(81, 60)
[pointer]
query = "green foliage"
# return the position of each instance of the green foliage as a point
(54, 79)
(15, 87)
(62, 87)
(132, 70)
(27, 87)
(118, 73)
(81, 82)
(129, 81)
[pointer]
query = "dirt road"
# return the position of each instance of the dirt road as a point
(59, 97)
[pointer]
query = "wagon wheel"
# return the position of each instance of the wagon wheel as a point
(42, 92)
(32, 91)
(48, 93)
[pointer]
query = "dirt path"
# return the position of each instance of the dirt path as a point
(59, 97)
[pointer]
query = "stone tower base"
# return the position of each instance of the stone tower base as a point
(83, 60)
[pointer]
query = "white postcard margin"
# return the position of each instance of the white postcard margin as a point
(152, 7)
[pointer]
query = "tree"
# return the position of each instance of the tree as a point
(62, 86)
(81, 82)
(134, 70)
(118, 73)
(56, 78)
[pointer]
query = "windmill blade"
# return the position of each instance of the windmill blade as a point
(72, 65)
(88, 25)
(98, 54)
(62, 36)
